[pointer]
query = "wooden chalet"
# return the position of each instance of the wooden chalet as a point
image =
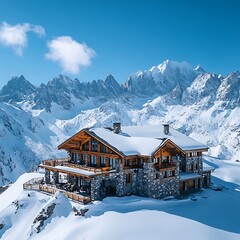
(151, 161)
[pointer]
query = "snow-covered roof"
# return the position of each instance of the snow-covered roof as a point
(186, 176)
(76, 170)
(207, 169)
(145, 140)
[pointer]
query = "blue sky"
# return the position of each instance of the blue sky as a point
(91, 39)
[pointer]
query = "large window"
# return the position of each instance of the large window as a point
(164, 161)
(85, 146)
(84, 159)
(103, 161)
(94, 145)
(156, 160)
(127, 162)
(103, 148)
(75, 157)
(112, 162)
(93, 160)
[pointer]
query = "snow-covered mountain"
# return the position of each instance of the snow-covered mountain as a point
(161, 79)
(35, 119)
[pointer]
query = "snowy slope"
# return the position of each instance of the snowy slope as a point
(205, 215)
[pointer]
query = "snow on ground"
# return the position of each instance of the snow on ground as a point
(15, 189)
(207, 215)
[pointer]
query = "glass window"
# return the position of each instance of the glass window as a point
(112, 162)
(103, 148)
(93, 160)
(94, 145)
(102, 161)
(156, 160)
(85, 146)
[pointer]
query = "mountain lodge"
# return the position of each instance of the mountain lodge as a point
(150, 161)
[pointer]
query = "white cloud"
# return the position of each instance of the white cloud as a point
(70, 54)
(15, 36)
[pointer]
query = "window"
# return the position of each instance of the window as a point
(127, 162)
(94, 145)
(112, 162)
(103, 161)
(128, 178)
(85, 146)
(75, 157)
(84, 159)
(156, 160)
(194, 154)
(103, 148)
(93, 160)
(169, 173)
(196, 166)
(164, 159)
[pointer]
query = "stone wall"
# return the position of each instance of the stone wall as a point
(192, 162)
(146, 182)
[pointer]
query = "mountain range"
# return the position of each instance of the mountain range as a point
(35, 119)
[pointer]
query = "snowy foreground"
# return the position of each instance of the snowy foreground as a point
(207, 215)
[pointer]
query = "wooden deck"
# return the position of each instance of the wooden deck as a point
(65, 162)
(36, 184)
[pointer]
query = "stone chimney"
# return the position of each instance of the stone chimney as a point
(117, 127)
(166, 128)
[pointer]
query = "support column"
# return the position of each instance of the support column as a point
(70, 179)
(107, 162)
(47, 176)
(56, 177)
(87, 159)
(196, 183)
(97, 161)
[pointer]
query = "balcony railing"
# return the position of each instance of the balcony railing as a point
(56, 162)
(66, 162)
(37, 184)
(165, 166)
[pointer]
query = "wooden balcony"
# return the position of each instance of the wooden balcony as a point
(56, 162)
(165, 166)
(66, 162)
(38, 185)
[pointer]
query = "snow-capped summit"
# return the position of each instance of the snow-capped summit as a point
(199, 69)
(161, 79)
(16, 89)
(229, 90)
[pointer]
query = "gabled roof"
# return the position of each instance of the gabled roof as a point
(145, 140)
(139, 140)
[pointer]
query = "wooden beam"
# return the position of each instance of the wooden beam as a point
(99, 154)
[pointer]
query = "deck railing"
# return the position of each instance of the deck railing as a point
(56, 162)
(37, 184)
(66, 162)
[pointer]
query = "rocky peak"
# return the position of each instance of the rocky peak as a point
(16, 89)
(161, 79)
(229, 90)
